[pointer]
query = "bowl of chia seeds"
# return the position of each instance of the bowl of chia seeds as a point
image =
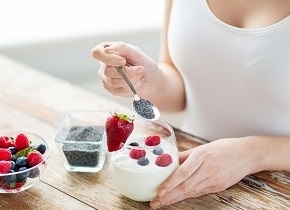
(81, 140)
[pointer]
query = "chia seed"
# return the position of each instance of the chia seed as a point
(85, 150)
(144, 108)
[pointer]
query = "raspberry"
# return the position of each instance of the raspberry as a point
(152, 140)
(33, 158)
(19, 184)
(21, 142)
(5, 154)
(163, 160)
(137, 153)
(4, 166)
(5, 142)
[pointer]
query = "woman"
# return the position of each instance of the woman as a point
(227, 66)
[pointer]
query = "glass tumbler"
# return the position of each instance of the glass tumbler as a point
(81, 140)
(148, 157)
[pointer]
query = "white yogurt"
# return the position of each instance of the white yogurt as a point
(137, 182)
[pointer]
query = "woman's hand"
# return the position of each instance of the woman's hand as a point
(209, 168)
(142, 71)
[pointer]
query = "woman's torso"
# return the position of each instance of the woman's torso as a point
(236, 67)
(250, 14)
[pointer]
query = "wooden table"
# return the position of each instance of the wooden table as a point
(35, 101)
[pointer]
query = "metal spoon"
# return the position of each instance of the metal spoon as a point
(142, 107)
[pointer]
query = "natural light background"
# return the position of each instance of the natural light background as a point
(41, 20)
(57, 36)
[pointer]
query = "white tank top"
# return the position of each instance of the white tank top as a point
(237, 80)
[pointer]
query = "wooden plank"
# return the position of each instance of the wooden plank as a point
(41, 197)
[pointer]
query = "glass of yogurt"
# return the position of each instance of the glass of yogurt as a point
(148, 157)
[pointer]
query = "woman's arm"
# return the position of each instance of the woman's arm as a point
(215, 166)
(159, 83)
(272, 152)
(173, 80)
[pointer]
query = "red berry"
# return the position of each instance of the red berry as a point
(163, 160)
(5, 154)
(13, 185)
(33, 158)
(137, 153)
(19, 184)
(5, 166)
(5, 142)
(152, 140)
(21, 142)
(118, 129)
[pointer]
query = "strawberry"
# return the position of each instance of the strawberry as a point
(137, 153)
(21, 142)
(5, 154)
(163, 160)
(152, 140)
(5, 142)
(118, 128)
(4, 166)
(33, 158)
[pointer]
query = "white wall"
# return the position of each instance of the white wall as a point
(57, 36)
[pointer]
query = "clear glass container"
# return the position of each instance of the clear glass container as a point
(137, 175)
(27, 178)
(81, 140)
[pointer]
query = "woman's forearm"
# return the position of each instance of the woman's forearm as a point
(170, 94)
(270, 152)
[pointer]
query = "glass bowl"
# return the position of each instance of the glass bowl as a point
(148, 157)
(22, 175)
(81, 140)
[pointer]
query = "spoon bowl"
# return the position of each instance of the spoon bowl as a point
(142, 107)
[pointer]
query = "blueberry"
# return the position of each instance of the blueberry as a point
(13, 150)
(41, 148)
(12, 165)
(134, 144)
(158, 151)
(34, 173)
(9, 178)
(143, 161)
(13, 158)
(21, 161)
(24, 174)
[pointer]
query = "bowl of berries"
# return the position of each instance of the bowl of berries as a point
(23, 158)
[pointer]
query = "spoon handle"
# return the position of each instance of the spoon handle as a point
(121, 72)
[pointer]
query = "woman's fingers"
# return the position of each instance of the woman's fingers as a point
(200, 190)
(118, 54)
(107, 53)
(182, 173)
(184, 155)
(186, 189)
(114, 82)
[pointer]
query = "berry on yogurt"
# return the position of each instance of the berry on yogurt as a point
(137, 153)
(152, 140)
(143, 161)
(163, 160)
(158, 151)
